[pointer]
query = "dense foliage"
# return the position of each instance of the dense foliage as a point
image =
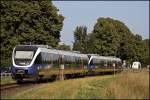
(26, 21)
(80, 35)
(38, 22)
(113, 38)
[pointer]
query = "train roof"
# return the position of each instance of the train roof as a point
(41, 46)
(106, 58)
(72, 55)
(26, 47)
(65, 53)
(47, 48)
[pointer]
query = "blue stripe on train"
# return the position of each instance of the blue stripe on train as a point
(30, 70)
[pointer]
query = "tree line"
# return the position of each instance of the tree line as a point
(24, 21)
(38, 22)
(111, 37)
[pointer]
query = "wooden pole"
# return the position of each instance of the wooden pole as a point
(82, 63)
(61, 71)
(61, 74)
(114, 68)
(82, 66)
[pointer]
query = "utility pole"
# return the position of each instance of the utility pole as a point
(61, 70)
(114, 68)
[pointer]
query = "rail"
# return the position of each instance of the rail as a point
(8, 86)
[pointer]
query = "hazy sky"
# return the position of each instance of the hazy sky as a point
(135, 14)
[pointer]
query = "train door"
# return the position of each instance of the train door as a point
(90, 65)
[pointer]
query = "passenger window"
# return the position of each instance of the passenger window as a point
(38, 59)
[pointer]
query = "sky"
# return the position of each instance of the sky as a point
(135, 14)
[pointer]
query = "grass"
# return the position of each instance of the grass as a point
(68, 89)
(127, 85)
(6, 80)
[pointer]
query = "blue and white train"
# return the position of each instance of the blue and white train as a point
(35, 61)
(39, 62)
(98, 63)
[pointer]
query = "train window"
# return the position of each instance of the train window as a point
(105, 64)
(55, 60)
(80, 61)
(24, 54)
(43, 57)
(61, 59)
(49, 58)
(102, 63)
(85, 61)
(109, 63)
(38, 59)
(97, 62)
(77, 60)
(65, 59)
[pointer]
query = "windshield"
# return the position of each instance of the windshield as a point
(23, 57)
(24, 54)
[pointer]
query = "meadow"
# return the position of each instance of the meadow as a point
(125, 85)
(6, 80)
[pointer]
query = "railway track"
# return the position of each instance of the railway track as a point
(8, 86)
(15, 86)
(22, 86)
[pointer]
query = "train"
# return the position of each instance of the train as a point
(38, 62)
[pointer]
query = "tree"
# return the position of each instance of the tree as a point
(107, 34)
(145, 58)
(113, 38)
(80, 37)
(28, 21)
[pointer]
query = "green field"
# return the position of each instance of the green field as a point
(127, 85)
(6, 80)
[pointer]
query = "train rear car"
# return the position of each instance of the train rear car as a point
(104, 64)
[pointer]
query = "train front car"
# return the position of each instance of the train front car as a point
(23, 57)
